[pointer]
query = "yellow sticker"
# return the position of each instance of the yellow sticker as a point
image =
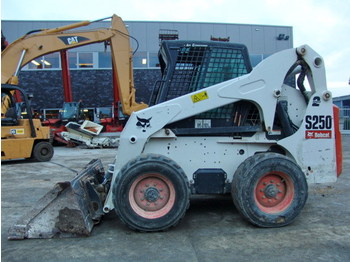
(199, 97)
(17, 131)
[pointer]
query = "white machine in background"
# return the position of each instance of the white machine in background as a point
(89, 133)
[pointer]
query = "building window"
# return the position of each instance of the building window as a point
(104, 60)
(73, 60)
(85, 60)
(49, 61)
(35, 64)
(140, 59)
(153, 60)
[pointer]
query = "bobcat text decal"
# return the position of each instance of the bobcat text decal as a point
(318, 126)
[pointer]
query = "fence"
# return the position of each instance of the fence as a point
(345, 120)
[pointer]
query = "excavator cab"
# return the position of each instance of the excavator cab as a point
(22, 136)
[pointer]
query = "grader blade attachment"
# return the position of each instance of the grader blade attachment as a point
(70, 209)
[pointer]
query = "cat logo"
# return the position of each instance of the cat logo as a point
(72, 40)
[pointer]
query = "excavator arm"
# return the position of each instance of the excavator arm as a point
(46, 41)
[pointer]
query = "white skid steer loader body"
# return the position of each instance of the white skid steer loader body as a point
(156, 169)
(312, 146)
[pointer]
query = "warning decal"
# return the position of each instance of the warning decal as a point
(199, 97)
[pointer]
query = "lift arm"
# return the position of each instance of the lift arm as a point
(46, 41)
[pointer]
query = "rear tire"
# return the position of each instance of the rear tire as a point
(269, 190)
(43, 151)
(151, 193)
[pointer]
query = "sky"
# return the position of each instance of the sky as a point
(322, 24)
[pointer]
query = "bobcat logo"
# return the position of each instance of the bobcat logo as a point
(143, 123)
(316, 101)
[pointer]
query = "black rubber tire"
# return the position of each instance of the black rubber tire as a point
(269, 190)
(169, 185)
(42, 151)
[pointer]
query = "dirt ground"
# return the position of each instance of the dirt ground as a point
(212, 229)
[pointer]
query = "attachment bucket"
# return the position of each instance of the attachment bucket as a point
(70, 209)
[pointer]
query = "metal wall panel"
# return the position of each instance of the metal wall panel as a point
(219, 30)
(245, 37)
(233, 33)
(258, 43)
(193, 32)
(260, 39)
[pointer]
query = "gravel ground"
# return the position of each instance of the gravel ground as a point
(212, 229)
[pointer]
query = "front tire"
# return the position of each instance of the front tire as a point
(42, 151)
(269, 190)
(151, 193)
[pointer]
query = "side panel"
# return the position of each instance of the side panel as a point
(16, 141)
(313, 145)
(42, 132)
(193, 153)
(22, 130)
(16, 148)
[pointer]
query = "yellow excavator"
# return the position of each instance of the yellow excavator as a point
(44, 41)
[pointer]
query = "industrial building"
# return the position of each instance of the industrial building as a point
(213, 228)
(90, 66)
(343, 102)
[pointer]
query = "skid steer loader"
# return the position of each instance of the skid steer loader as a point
(268, 142)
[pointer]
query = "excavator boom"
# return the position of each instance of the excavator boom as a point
(40, 42)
